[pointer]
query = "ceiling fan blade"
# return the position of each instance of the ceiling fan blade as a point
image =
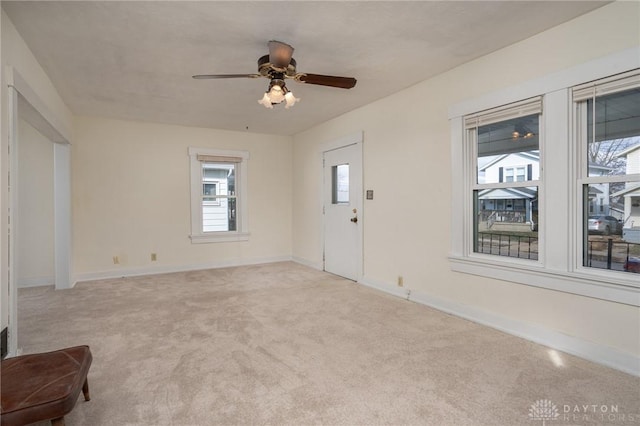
(280, 54)
(327, 80)
(210, 76)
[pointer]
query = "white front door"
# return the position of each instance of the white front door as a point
(343, 211)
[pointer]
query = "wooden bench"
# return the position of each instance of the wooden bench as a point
(43, 386)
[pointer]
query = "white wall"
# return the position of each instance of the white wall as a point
(409, 133)
(131, 184)
(35, 203)
(131, 197)
(16, 55)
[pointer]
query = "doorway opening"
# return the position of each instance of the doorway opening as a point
(27, 110)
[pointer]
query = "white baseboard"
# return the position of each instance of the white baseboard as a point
(594, 352)
(308, 263)
(160, 269)
(35, 282)
(390, 289)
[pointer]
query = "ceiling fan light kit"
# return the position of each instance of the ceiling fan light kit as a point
(279, 65)
(277, 93)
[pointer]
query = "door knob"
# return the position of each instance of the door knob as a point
(354, 219)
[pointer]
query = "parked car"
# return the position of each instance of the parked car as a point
(632, 265)
(606, 225)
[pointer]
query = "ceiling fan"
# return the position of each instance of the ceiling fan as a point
(279, 65)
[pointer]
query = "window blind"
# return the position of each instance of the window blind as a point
(614, 84)
(506, 112)
(218, 159)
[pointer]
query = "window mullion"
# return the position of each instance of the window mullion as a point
(521, 184)
(610, 179)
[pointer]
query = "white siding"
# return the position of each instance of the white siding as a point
(513, 161)
(633, 162)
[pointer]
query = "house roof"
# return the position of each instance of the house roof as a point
(508, 193)
(595, 166)
(530, 155)
(630, 191)
(629, 150)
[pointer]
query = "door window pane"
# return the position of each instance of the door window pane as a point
(340, 184)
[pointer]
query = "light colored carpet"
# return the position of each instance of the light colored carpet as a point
(285, 344)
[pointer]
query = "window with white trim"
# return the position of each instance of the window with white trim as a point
(505, 197)
(566, 173)
(607, 120)
(218, 195)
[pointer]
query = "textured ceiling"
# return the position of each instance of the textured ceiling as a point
(134, 60)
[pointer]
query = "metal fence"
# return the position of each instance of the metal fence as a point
(523, 247)
(509, 216)
(615, 255)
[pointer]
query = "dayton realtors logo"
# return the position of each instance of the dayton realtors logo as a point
(597, 413)
(544, 410)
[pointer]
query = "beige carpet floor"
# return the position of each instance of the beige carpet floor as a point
(283, 344)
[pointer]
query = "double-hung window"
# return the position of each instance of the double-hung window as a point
(546, 182)
(505, 146)
(218, 195)
(607, 121)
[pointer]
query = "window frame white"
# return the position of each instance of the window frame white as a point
(241, 233)
(560, 223)
(526, 107)
(615, 84)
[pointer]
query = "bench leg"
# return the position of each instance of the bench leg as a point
(58, 422)
(85, 391)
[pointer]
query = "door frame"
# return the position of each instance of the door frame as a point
(24, 103)
(354, 139)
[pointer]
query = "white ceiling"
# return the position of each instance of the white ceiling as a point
(134, 60)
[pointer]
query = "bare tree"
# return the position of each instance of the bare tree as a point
(605, 153)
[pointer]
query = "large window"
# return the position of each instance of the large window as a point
(546, 182)
(608, 134)
(218, 200)
(506, 145)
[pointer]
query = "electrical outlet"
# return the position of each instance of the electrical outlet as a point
(116, 260)
(154, 257)
(400, 281)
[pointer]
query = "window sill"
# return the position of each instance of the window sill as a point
(614, 289)
(219, 237)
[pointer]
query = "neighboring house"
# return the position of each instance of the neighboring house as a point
(516, 207)
(599, 195)
(519, 205)
(631, 192)
(218, 212)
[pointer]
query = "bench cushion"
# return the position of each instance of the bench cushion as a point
(42, 386)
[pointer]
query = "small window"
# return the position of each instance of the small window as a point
(508, 175)
(218, 195)
(340, 184)
(219, 211)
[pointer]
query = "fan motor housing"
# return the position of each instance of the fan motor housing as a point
(267, 69)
